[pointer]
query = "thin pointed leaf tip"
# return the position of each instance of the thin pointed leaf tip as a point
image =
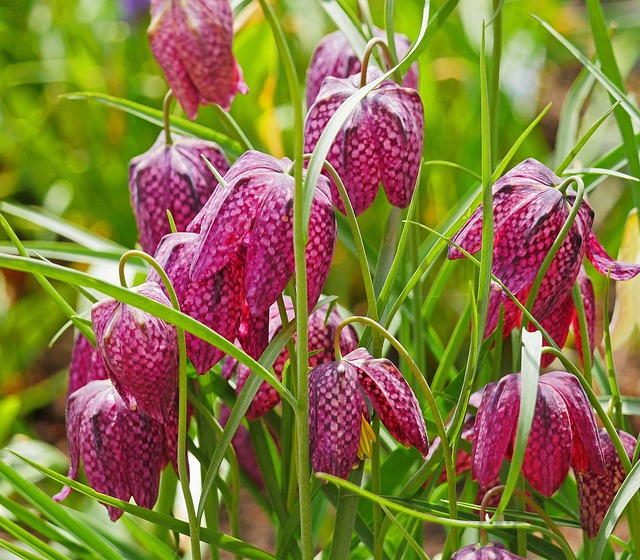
(172, 177)
(192, 40)
(122, 450)
(337, 410)
(529, 213)
(563, 433)
(380, 142)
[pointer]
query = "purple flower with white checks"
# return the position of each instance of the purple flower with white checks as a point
(121, 449)
(595, 493)
(563, 433)
(529, 213)
(171, 177)
(217, 301)
(335, 57)
(321, 329)
(140, 352)
(253, 212)
(380, 142)
(338, 411)
(491, 551)
(86, 364)
(191, 40)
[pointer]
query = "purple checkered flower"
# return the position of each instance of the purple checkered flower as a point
(380, 142)
(338, 410)
(491, 551)
(140, 352)
(563, 432)
(595, 493)
(171, 177)
(86, 364)
(253, 212)
(217, 301)
(191, 40)
(528, 216)
(335, 57)
(557, 323)
(321, 329)
(121, 449)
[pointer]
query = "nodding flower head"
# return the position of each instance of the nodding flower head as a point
(338, 412)
(563, 432)
(140, 352)
(86, 364)
(191, 40)
(171, 177)
(380, 142)
(122, 450)
(490, 551)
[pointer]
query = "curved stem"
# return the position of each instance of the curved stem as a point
(166, 105)
(375, 42)
(194, 526)
(431, 401)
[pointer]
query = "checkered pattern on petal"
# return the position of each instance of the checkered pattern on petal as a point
(491, 551)
(557, 325)
(589, 303)
(86, 364)
(604, 264)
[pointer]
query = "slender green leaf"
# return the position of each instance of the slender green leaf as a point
(18, 552)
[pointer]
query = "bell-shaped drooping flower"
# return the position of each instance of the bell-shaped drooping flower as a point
(491, 551)
(380, 142)
(529, 213)
(216, 302)
(86, 364)
(253, 211)
(563, 432)
(595, 493)
(557, 323)
(338, 410)
(335, 57)
(321, 330)
(191, 40)
(171, 177)
(140, 352)
(121, 449)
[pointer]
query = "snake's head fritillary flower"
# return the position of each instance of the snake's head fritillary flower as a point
(561, 317)
(335, 57)
(491, 551)
(595, 493)
(121, 449)
(529, 213)
(86, 364)
(171, 177)
(191, 40)
(217, 302)
(253, 211)
(338, 411)
(563, 432)
(321, 330)
(380, 142)
(140, 352)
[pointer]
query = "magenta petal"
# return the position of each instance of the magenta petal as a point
(266, 397)
(548, 454)
(589, 303)
(494, 426)
(253, 333)
(557, 325)
(336, 407)
(393, 401)
(604, 264)
(577, 403)
(511, 314)
(491, 551)
(595, 493)
(86, 364)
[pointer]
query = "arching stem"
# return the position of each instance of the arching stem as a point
(375, 42)
(166, 105)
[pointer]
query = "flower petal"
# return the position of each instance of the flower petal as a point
(511, 316)
(494, 426)
(266, 397)
(394, 401)
(579, 409)
(86, 364)
(604, 264)
(253, 333)
(336, 407)
(557, 325)
(589, 302)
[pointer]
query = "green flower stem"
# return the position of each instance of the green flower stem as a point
(634, 504)
(300, 238)
(69, 311)
(377, 42)
(431, 401)
(616, 402)
(387, 253)
(166, 105)
(560, 538)
(376, 487)
(194, 526)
